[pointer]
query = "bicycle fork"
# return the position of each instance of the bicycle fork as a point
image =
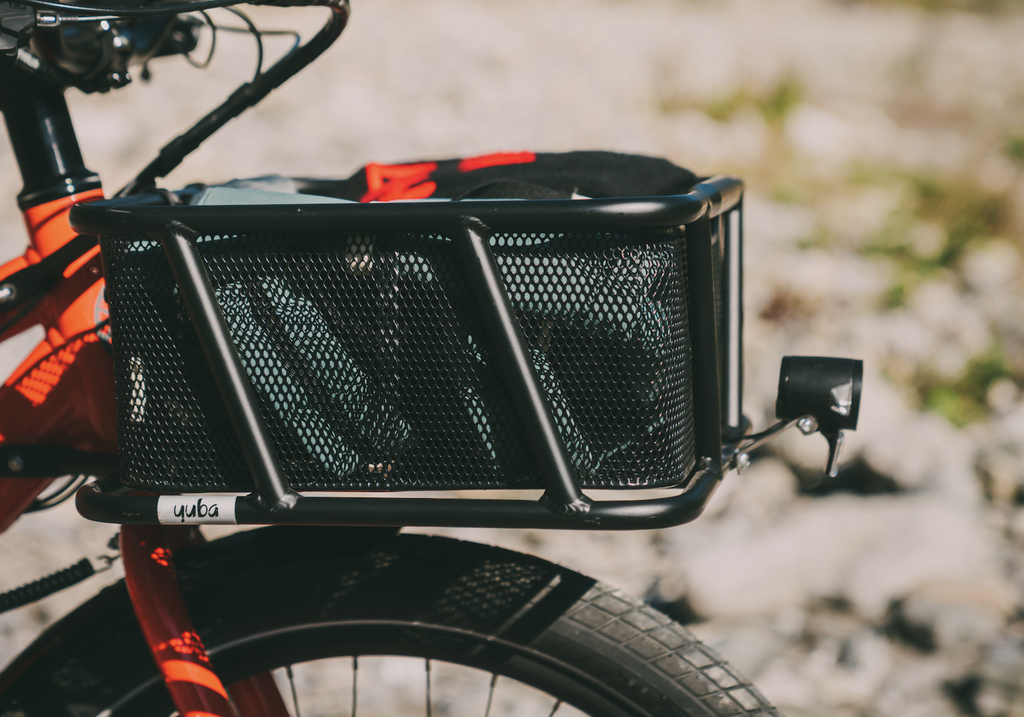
(195, 688)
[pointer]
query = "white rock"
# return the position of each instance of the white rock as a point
(1003, 662)
(856, 214)
(834, 676)
(959, 331)
(916, 688)
(1007, 431)
(868, 551)
(862, 668)
(1003, 396)
(822, 134)
(771, 227)
(925, 452)
(957, 613)
(1004, 473)
(763, 492)
(992, 266)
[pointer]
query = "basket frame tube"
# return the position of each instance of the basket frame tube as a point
(734, 423)
(707, 391)
(646, 514)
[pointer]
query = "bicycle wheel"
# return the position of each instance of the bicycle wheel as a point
(472, 621)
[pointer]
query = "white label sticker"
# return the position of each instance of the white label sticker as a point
(196, 509)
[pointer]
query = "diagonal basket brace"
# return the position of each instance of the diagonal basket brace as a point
(273, 493)
(562, 494)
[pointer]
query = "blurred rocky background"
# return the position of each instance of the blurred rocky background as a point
(883, 146)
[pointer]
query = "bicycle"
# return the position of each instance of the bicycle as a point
(473, 337)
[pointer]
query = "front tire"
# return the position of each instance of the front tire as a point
(287, 597)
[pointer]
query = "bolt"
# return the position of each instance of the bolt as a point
(807, 425)
(742, 462)
(15, 464)
(7, 293)
(116, 79)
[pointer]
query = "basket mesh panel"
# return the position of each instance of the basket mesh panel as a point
(373, 368)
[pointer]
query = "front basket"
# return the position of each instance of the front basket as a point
(557, 345)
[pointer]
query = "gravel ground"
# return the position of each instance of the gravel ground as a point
(883, 146)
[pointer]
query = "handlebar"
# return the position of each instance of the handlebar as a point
(91, 47)
(64, 11)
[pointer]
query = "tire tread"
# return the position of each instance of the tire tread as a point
(670, 650)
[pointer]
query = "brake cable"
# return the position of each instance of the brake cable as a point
(255, 32)
(213, 44)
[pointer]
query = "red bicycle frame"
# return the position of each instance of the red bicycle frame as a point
(62, 394)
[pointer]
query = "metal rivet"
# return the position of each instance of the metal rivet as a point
(7, 293)
(15, 464)
(742, 462)
(807, 425)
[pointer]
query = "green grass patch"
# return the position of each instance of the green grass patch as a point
(672, 103)
(774, 105)
(980, 6)
(723, 109)
(780, 102)
(894, 243)
(1014, 148)
(965, 212)
(964, 400)
(897, 293)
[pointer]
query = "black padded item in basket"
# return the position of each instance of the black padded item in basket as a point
(373, 369)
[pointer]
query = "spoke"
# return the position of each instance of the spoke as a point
(428, 689)
(295, 695)
(490, 695)
(555, 709)
(355, 673)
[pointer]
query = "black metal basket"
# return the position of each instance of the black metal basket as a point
(558, 345)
